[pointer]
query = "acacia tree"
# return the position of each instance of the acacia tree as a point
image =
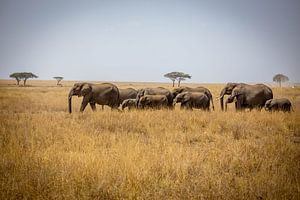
(23, 76)
(17, 76)
(279, 78)
(172, 76)
(179, 76)
(182, 77)
(58, 78)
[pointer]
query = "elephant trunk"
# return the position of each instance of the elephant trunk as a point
(140, 105)
(174, 102)
(70, 101)
(137, 101)
(222, 98)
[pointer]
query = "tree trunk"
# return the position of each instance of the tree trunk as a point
(18, 81)
(173, 83)
(179, 83)
(280, 84)
(25, 81)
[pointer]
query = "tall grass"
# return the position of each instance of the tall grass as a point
(47, 153)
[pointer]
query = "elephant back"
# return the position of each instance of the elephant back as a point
(128, 93)
(109, 93)
(157, 91)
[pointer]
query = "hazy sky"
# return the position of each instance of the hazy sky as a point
(214, 41)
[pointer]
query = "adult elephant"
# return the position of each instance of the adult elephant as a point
(204, 90)
(190, 100)
(155, 91)
(103, 94)
(153, 101)
(247, 96)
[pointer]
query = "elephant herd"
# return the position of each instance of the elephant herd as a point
(243, 95)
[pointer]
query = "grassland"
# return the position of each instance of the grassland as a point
(47, 153)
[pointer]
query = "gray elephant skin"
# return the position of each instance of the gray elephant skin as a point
(204, 90)
(102, 94)
(156, 91)
(282, 104)
(153, 101)
(246, 96)
(128, 103)
(190, 100)
(127, 93)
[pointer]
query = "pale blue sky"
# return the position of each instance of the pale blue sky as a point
(214, 41)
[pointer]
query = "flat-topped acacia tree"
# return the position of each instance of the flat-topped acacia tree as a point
(179, 76)
(22, 76)
(58, 78)
(279, 78)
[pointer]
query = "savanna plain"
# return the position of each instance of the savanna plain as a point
(47, 153)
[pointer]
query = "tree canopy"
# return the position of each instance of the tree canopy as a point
(279, 78)
(22, 76)
(179, 76)
(58, 78)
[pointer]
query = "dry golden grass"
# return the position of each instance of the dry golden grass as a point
(47, 153)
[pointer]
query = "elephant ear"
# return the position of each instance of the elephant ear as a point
(86, 89)
(268, 103)
(186, 98)
(273, 104)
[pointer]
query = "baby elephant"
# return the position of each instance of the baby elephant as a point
(278, 105)
(153, 101)
(129, 103)
(190, 100)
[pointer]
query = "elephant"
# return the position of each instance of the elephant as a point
(156, 91)
(204, 90)
(128, 93)
(282, 104)
(103, 94)
(153, 101)
(129, 103)
(246, 96)
(190, 100)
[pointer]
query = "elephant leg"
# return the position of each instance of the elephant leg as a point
(114, 107)
(93, 106)
(189, 106)
(83, 105)
(183, 106)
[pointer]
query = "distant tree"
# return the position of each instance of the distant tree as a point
(172, 76)
(182, 77)
(23, 76)
(17, 76)
(179, 76)
(279, 78)
(58, 78)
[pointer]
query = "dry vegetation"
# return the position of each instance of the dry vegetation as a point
(47, 153)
